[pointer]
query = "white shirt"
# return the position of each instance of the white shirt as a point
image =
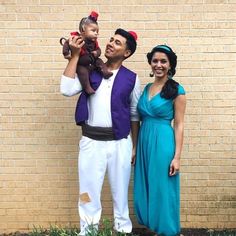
(99, 103)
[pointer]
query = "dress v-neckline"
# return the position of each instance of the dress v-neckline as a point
(150, 98)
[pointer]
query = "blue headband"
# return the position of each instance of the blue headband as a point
(163, 47)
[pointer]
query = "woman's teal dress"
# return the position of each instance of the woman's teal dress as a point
(156, 194)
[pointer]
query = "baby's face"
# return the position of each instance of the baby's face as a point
(91, 32)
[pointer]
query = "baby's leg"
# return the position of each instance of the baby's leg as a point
(103, 68)
(86, 60)
(83, 74)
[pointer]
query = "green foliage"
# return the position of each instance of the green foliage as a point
(106, 229)
(55, 231)
(221, 233)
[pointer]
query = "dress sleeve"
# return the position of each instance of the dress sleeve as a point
(181, 90)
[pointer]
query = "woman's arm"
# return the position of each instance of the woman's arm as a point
(134, 132)
(179, 107)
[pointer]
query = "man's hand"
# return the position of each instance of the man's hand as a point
(75, 43)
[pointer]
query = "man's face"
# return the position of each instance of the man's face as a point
(116, 48)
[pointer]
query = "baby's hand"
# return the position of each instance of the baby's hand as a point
(94, 53)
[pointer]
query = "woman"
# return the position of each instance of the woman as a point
(156, 176)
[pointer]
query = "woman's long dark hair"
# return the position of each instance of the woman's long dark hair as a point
(170, 88)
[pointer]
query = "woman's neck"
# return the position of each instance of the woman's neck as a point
(160, 81)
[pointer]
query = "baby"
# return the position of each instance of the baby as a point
(90, 52)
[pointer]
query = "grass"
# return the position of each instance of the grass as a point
(105, 229)
(222, 233)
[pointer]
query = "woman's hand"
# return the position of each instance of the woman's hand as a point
(174, 167)
(133, 159)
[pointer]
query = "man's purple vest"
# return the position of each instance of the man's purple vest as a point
(120, 101)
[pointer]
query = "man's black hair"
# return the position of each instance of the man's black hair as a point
(130, 40)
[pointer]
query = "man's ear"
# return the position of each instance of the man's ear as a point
(127, 53)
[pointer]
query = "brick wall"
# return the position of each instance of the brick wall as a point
(38, 137)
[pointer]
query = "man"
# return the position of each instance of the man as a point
(106, 118)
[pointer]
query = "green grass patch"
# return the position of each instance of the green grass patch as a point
(221, 232)
(105, 229)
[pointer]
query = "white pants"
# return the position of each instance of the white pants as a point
(95, 158)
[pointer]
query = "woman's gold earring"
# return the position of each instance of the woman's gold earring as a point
(170, 74)
(151, 74)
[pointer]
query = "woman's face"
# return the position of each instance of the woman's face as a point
(160, 65)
